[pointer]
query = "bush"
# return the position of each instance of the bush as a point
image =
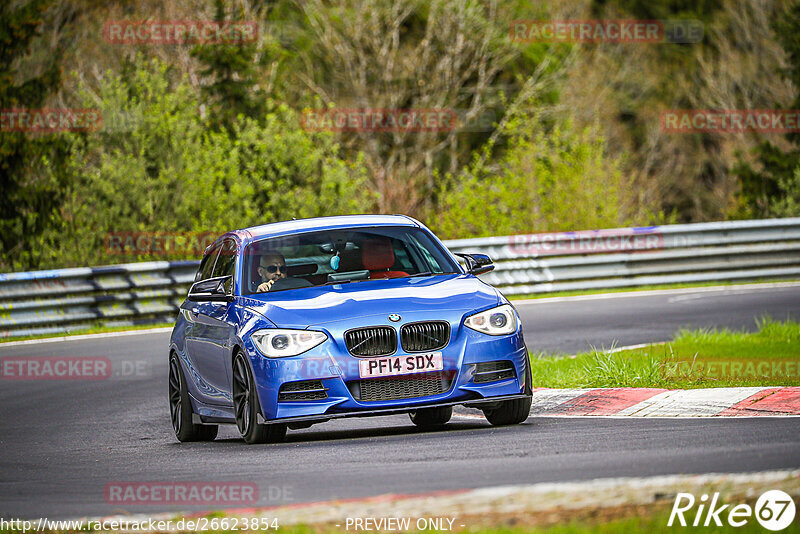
(787, 204)
(156, 167)
(553, 180)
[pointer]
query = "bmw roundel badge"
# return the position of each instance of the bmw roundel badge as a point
(394, 317)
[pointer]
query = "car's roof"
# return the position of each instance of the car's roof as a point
(324, 223)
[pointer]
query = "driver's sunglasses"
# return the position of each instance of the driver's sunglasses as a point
(272, 269)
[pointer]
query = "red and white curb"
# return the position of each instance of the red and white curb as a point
(651, 402)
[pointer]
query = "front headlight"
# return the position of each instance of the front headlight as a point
(279, 343)
(496, 322)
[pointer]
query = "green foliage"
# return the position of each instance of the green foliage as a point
(232, 72)
(30, 199)
(761, 190)
(211, 141)
(158, 168)
(771, 190)
(666, 9)
(787, 203)
(549, 180)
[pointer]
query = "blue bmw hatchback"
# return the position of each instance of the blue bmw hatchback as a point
(298, 322)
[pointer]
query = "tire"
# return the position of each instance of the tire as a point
(528, 376)
(510, 412)
(431, 417)
(180, 407)
(515, 411)
(246, 407)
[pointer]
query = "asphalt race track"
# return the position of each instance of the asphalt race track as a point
(62, 442)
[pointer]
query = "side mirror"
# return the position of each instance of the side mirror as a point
(212, 290)
(477, 263)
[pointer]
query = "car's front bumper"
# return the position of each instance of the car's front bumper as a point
(336, 370)
(389, 411)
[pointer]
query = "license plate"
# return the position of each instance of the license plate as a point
(400, 365)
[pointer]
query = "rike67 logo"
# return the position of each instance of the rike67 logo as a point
(774, 510)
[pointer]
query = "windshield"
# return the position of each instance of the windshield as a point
(341, 256)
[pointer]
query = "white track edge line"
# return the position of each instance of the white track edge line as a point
(160, 330)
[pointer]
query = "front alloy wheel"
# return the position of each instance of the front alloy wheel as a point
(246, 407)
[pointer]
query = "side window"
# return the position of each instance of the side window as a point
(206, 266)
(199, 274)
(401, 256)
(226, 259)
(433, 265)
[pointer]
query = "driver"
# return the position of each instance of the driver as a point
(271, 267)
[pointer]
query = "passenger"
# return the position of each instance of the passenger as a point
(271, 267)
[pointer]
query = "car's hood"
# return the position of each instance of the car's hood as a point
(301, 308)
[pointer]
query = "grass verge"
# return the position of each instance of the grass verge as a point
(695, 359)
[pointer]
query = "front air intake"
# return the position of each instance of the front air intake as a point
(401, 387)
(425, 336)
(371, 341)
(302, 391)
(493, 371)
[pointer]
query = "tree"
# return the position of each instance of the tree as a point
(451, 55)
(774, 189)
(231, 69)
(787, 204)
(31, 198)
(550, 179)
(167, 172)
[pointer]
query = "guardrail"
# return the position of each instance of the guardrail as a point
(63, 300)
(630, 257)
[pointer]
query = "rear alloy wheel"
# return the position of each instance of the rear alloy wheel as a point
(515, 411)
(246, 407)
(180, 407)
(431, 417)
